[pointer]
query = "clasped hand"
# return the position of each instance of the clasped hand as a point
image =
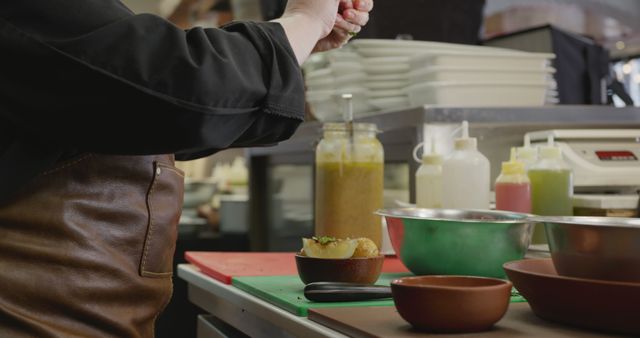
(339, 19)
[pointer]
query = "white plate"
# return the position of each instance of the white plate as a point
(552, 93)
(488, 94)
(390, 52)
(334, 69)
(384, 61)
(345, 67)
(390, 102)
(428, 45)
(338, 79)
(385, 85)
(456, 59)
(387, 69)
(319, 74)
(389, 77)
(346, 80)
(336, 55)
(465, 74)
(327, 105)
(329, 93)
(386, 93)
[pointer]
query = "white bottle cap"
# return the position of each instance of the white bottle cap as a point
(550, 151)
(527, 153)
(465, 142)
(433, 158)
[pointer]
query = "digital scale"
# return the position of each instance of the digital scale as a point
(605, 163)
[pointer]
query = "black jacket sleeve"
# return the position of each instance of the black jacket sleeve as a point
(89, 74)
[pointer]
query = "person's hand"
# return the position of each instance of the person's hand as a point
(319, 25)
(187, 10)
(353, 15)
(200, 5)
(319, 12)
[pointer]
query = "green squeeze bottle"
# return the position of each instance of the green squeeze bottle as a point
(551, 187)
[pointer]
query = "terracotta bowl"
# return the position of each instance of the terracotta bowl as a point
(593, 304)
(349, 270)
(451, 304)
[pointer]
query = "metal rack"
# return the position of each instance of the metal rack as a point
(497, 129)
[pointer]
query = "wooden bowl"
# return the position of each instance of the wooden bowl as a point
(365, 270)
(592, 304)
(451, 304)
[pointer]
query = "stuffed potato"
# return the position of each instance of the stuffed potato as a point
(330, 247)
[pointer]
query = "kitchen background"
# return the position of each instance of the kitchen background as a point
(262, 199)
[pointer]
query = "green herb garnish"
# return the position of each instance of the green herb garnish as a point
(324, 240)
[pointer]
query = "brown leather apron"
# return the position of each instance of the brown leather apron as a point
(86, 248)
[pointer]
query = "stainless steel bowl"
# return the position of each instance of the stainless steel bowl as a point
(605, 248)
(458, 242)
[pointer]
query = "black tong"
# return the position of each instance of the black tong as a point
(344, 292)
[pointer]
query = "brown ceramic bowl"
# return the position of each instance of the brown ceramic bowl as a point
(451, 304)
(588, 303)
(364, 270)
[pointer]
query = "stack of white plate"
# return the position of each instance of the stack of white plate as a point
(331, 74)
(395, 74)
(446, 74)
(386, 82)
(328, 105)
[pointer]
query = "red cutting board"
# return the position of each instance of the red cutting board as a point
(223, 266)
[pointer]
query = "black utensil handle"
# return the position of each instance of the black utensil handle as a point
(345, 292)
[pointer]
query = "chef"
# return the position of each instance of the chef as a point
(94, 104)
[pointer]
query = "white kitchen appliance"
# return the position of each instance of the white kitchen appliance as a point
(605, 162)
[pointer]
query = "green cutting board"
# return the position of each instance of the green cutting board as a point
(287, 293)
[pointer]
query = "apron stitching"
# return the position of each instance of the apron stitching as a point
(147, 244)
(157, 274)
(176, 171)
(148, 240)
(66, 165)
(164, 306)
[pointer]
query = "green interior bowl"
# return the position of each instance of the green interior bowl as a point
(458, 242)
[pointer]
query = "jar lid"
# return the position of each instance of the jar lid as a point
(357, 127)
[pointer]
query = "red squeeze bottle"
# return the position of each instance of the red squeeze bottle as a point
(513, 188)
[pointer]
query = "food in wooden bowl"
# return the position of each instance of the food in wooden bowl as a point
(327, 259)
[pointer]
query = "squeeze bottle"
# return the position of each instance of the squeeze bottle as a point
(513, 188)
(551, 187)
(465, 175)
(429, 180)
(527, 154)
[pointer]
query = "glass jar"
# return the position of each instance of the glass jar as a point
(349, 182)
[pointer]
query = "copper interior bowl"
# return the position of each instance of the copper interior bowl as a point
(588, 303)
(451, 304)
(361, 270)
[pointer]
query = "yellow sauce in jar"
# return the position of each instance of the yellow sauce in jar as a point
(349, 184)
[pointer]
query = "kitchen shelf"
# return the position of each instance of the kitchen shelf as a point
(497, 130)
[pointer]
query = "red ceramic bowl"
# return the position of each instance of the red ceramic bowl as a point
(451, 304)
(593, 304)
(364, 270)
